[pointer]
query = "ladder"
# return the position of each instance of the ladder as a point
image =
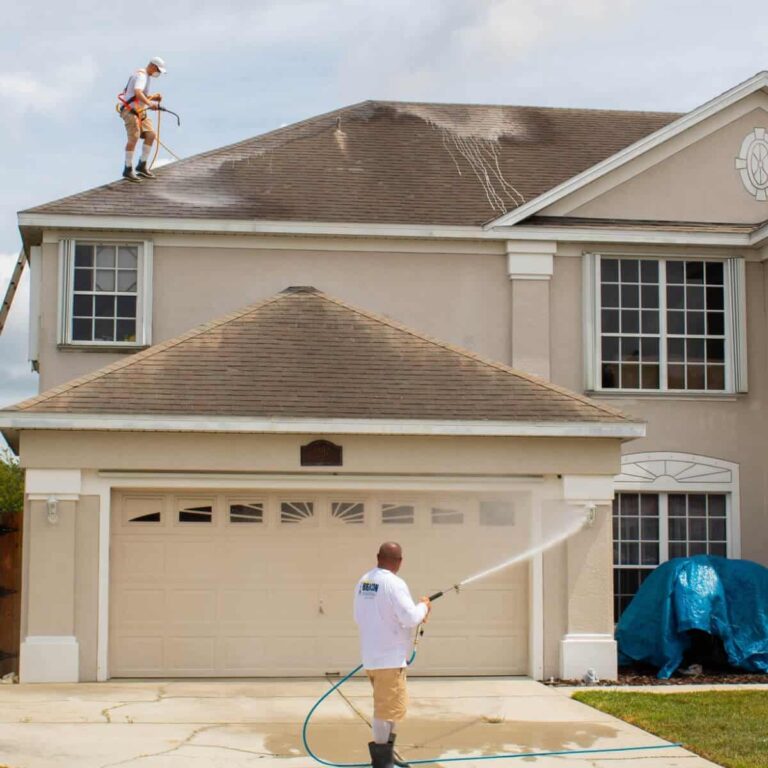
(5, 308)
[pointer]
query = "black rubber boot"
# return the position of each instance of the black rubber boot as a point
(398, 763)
(142, 170)
(381, 755)
(129, 175)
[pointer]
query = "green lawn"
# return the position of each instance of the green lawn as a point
(728, 727)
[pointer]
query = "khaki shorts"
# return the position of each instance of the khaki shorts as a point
(132, 125)
(390, 697)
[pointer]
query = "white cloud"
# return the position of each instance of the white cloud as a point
(24, 91)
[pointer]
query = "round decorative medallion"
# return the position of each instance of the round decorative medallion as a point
(752, 163)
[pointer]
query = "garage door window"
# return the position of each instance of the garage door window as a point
(142, 510)
(446, 516)
(348, 512)
(196, 514)
(251, 512)
(297, 512)
(496, 513)
(397, 514)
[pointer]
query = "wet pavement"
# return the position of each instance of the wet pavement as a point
(228, 724)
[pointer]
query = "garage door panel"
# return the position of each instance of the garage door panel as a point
(336, 651)
(140, 559)
(243, 605)
(139, 655)
(239, 654)
(244, 561)
(272, 598)
(190, 653)
(144, 605)
(291, 651)
(191, 605)
(190, 560)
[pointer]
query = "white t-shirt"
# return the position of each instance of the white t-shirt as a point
(137, 80)
(385, 613)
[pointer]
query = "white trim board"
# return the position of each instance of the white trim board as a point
(687, 121)
(148, 423)
(152, 224)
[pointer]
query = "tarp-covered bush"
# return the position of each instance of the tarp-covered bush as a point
(725, 598)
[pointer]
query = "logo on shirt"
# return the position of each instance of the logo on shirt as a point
(368, 589)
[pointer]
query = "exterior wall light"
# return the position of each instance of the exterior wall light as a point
(53, 510)
(590, 510)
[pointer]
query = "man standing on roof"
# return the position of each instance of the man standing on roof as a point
(385, 614)
(133, 106)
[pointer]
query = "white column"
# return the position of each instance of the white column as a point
(49, 651)
(588, 642)
(530, 266)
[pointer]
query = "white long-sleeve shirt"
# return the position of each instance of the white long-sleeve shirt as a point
(385, 613)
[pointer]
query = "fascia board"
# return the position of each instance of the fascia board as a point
(629, 153)
(518, 232)
(19, 420)
(244, 226)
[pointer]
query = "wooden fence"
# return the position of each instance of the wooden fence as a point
(10, 591)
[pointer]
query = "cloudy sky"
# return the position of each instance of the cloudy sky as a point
(241, 67)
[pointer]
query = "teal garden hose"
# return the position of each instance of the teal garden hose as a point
(431, 760)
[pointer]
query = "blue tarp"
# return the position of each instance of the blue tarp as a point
(725, 598)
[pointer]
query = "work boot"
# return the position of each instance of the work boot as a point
(381, 755)
(142, 170)
(398, 763)
(129, 175)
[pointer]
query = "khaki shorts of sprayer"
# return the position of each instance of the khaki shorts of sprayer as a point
(390, 695)
(134, 127)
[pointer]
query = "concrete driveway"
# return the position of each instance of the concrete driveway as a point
(224, 724)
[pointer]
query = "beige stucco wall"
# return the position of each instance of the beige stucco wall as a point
(280, 453)
(690, 178)
(730, 427)
(457, 293)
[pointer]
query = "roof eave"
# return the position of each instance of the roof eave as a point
(38, 221)
(16, 421)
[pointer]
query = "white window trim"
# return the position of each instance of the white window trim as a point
(143, 295)
(671, 472)
(735, 328)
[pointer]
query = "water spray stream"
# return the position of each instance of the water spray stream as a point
(523, 556)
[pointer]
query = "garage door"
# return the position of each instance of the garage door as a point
(255, 584)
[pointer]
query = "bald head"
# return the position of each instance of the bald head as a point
(390, 556)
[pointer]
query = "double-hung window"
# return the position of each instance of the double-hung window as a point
(665, 324)
(106, 293)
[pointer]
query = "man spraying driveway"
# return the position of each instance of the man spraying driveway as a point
(133, 106)
(385, 615)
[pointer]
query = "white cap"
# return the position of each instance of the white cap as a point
(159, 63)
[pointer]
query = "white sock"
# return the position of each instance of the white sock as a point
(145, 150)
(381, 730)
(129, 158)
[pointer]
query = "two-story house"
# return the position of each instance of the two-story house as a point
(417, 322)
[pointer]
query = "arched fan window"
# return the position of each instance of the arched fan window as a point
(296, 511)
(348, 512)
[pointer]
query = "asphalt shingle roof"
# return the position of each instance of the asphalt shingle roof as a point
(302, 353)
(381, 162)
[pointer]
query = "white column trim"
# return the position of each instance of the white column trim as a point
(530, 260)
(58, 482)
(49, 659)
(93, 485)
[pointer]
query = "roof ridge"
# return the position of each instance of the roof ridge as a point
(476, 358)
(523, 106)
(143, 355)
